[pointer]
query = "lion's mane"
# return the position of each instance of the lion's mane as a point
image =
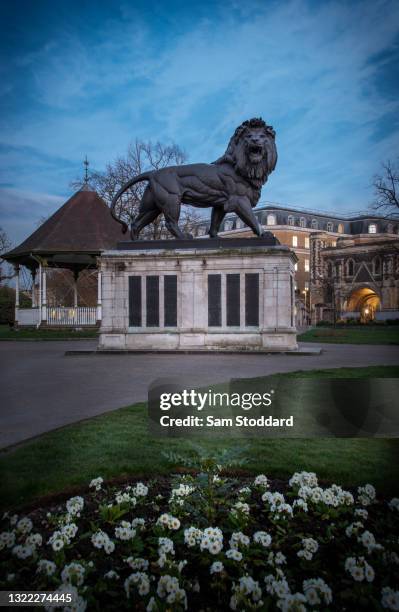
(237, 155)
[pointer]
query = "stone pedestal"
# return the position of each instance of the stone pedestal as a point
(204, 294)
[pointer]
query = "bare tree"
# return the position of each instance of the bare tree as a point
(6, 272)
(386, 190)
(141, 156)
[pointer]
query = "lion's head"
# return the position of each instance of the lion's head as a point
(252, 151)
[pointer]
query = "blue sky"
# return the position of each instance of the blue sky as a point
(86, 77)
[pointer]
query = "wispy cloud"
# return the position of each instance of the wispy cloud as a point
(321, 73)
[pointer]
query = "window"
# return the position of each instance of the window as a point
(307, 267)
(350, 267)
(340, 228)
(296, 266)
(239, 223)
(330, 227)
(390, 228)
(295, 241)
(372, 228)
(307, 244)
(314, 224)
(302, 222)
(337, 269)
(377, 265)
(271, 220)
(290, 220)
(306, 285)
(228, 225)
(329, 269)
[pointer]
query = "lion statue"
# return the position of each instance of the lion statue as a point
(231, 184)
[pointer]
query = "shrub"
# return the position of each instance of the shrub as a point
(7, 304)
(207, 542)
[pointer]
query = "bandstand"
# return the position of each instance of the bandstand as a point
(71, 239)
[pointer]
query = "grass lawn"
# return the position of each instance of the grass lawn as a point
(118, 444)
(6, 333)
(353, 335)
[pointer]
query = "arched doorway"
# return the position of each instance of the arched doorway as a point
(364, 301)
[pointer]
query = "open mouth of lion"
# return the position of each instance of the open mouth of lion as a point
(255, 152)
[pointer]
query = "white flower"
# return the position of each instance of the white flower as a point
(239, 539)
(34, 539)
(137, 563)
(261, 537)
(303, 479)
(125, 531)
(46, 567)
(394, 504)
(240, 508)
(169, 588)
(101, 540)
(24, 525)
(309, 547)
(368, 541)
(140, 490)
(234, 554)
(111, 575)
(300, 504)
(292, 602)
(366, 494)
(96, 483)
(75, 505)
(212, 540)
(316, 590)
(168, 521)
(261, 481)
(361, 513)
(246, 594)
(140, 581)
(125, 498)
(69, 531)
(359, 569)
(23, 552)
(78, 603)
(390, 598)
(192, 536)
(165, 546)
(276, 558)
(7, 539)
(138, 523)
(73, 574)
(216, 567)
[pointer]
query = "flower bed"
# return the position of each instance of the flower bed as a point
(208, 542)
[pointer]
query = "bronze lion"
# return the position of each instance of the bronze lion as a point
(232, 183)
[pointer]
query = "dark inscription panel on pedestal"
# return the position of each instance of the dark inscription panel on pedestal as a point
(233, 300)
(152, 287)
(170, 300)
(214, 300)
(135, 301)
(251, 300)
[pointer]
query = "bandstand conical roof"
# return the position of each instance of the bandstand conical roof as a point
(73, 236)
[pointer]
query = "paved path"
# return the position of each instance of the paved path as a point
(42, 389)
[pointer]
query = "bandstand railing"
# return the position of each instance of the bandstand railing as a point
(68, 316)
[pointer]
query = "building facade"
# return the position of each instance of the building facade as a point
(297, 228)
(358, 279)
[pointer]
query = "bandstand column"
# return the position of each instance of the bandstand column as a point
(40, 294)
(33, 288)
(75, 289)
(44, 300)
(16, 268)
(99, 296)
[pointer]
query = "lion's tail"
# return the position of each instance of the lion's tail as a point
(145, 176)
